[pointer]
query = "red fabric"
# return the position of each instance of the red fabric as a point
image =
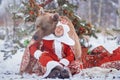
(48, 46)
(117, 51)
(33, 48)
(112, 64)
(98, 56)
(98, 50)
(69, 55)
(116, 55)
(45, 58)
(104, 60)
(75, 67)
(30, 65)
(88, 60)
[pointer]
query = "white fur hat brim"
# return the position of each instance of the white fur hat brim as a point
(50, 66)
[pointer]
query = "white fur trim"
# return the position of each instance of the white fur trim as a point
(65, 26)
(37, 54)
(50, 66)
(58, 49)
(65, 38)
(64, 62)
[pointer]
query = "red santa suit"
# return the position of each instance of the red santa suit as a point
(54, 51)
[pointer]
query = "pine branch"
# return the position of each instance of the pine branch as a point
(45, 3)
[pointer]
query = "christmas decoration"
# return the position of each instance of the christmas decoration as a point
(64, 9)
(81, 27)
(32, 10)
(26, 42)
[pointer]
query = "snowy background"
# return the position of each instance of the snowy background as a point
(9, 68)
(10, 60)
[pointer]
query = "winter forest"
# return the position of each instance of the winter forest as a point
(96, 27)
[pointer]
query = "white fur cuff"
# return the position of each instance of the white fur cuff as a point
(64, 62)
(37, 54)
(50, 65)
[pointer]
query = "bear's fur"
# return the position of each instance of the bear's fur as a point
(45, 25)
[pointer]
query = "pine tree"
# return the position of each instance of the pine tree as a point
(66, 9)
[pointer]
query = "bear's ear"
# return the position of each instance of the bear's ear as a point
(55, 17)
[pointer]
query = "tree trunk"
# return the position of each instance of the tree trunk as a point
(99, 12)
(6, 28)
(89, 6)
(118, 17)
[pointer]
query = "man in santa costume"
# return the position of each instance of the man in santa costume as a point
(54, 52)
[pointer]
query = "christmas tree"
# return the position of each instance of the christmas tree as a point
(64, 8)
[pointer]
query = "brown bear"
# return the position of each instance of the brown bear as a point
(45, 25)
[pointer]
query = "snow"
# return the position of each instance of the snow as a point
(9, 68)
(110, 45)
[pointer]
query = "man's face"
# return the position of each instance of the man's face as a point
(59, 31)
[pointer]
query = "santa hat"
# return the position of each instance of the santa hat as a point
(65, 38)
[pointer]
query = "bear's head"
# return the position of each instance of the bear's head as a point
(45, 25)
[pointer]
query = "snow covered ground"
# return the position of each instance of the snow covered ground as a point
(9, 68)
